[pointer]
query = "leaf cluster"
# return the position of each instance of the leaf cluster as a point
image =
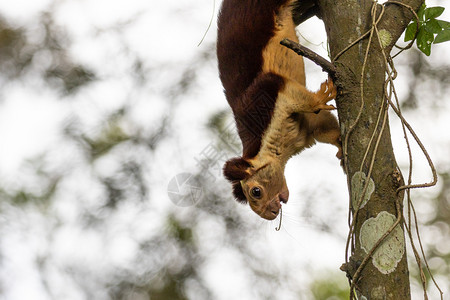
(429, 30)
(21, 55)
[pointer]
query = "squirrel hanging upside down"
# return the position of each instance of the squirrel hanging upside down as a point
(264, 82)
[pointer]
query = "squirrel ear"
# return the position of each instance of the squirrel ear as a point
(235, 170)
(238, 192)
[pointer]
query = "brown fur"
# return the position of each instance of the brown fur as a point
(244, 29)
(265, 86)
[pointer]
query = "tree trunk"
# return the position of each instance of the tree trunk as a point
(377, 270)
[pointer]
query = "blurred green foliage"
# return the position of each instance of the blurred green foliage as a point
(438, 251)
(19, 56)
(111, 135)
(330, 286)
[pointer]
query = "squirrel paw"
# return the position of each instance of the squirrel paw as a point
(326, 93)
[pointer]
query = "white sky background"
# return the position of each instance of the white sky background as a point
(168, 35)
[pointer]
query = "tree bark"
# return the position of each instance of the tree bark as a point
(384, 273)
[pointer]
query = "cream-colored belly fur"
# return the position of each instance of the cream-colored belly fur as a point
(279, 59)
(283, 137)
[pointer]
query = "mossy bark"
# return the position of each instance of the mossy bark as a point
(345, 21)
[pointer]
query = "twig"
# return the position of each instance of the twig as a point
(308, 53)
(281, 218)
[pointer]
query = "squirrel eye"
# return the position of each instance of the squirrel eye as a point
(256, 192)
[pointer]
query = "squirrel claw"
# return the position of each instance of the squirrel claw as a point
(326, 93)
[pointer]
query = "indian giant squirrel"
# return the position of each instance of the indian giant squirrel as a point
(264, 83)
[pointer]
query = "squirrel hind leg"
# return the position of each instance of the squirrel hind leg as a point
(303, 10)
(325, 129)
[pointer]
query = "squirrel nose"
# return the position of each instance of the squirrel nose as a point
(284, 196)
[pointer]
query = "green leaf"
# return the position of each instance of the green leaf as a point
(444, 24)
(421, 12)
(442, 36)
(433, 26)
(410, 32)
(424, 41)
(433, 12)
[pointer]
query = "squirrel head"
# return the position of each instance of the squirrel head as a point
(263, 186)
